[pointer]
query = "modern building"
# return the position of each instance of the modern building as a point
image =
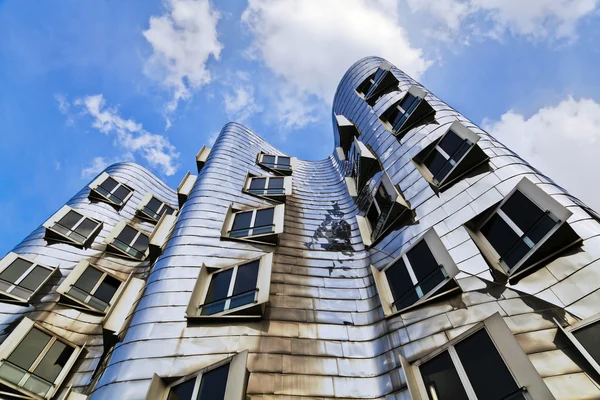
(421, 260)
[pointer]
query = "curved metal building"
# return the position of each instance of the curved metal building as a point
(421, 260)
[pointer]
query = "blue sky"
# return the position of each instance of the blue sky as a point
(85, 84)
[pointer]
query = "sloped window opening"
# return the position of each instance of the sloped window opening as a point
(20, 278)
(154, 208)
(109, 189)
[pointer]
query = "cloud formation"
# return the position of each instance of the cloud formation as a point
(131, 137)
(182, 40)
(239, 99)
(563, 141)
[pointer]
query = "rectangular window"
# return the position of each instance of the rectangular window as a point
(365, 85)
(410, 111)
(267, 186)
(72, 225)
(20, 278)
(251, 223)
(448, 152)
(585, 336)
(94, 288)
(281, 164)
(33, 359)
(153, 208)
(232, 288)
(129, 241)
(111, 190)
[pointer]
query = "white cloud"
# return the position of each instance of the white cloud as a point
(213, 138)
(535, 19)
(130, 135)
(98, 165)
(563, 141)
(309, 46)
(239, 100)
(182, 41)
(64, 107)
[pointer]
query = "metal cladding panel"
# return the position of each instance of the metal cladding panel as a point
(323, 332)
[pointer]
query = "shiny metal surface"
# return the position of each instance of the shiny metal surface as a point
(324, 334)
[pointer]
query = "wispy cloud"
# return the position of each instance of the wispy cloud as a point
(182, 40)
(131, 138)
(239, 99)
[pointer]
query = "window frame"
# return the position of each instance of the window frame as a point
(15, 338)
(185, 187)
(569, 333)
(202, 157)
(516, 361)
(76, 273)
(415, 91)
(205, 276)
(442, 257)
(144, 203)
(57, 216)
(279, 197)
(100, 180)
(11, 257)
(235, 389)
(463, 133)
(278, 224)
(368, 165)
(279, 171)
(544, 202)
(114, 233)
(347, 131)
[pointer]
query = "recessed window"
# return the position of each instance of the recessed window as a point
(424, 271)
(71, 226)
(128, 241)
(364, 164)
(259, 225)
(226, 379)
(91, 286)
(34, 361)
(152, 208)
(378, 84)
(410, 111)
(107, 188)
(239, 290)
(585, 336)
(484, 363)
(385, 211)
(512, 232)
(451, 156)
(347, 131)
(21, 278)
(270, 187)
(280, 164)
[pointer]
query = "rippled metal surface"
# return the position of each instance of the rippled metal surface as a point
(324, 333)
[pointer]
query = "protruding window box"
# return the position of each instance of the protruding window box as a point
(21, 278)
(274, 188)
(226, 379)
(485, 362)
(351, 186)
(366, 164)
(201, 157)
(70, 226)
(527, 228)
(238, 291)
(34, 361)
(379, 84)
(160, 235)
(388, 209)
(70, 394)
(115, 320)
(259, 225)
(110, 190)
(128, 241)
(410, 111)
(185, 188)
(347, 131)
(585, 336)
(281, 165)
(451, 157)
(424, 272)
(151, 208)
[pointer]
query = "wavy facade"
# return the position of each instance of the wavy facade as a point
(346, 303)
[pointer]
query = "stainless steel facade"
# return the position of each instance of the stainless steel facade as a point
(324, 333)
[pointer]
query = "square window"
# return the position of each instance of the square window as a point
(110, 190)
(71, 226)
(21, 278)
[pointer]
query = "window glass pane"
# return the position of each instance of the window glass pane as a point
(276, 183)
(422, 261)
(34, 279)
(107, 288)
(214, 383)
(401, 285)
(283, 160)
(141, 243)
(499, 234)
(434, 162)
(183, 391)
(589, 337)
(88, 279)
(86, 227)
(109, 184)
(167, 210)
(154, 204)
(264, 217)
(257, 183)
(121, 193)
(245, 284)
(522, 211)
(384, 199)
(127, 234)
(268, 159)
(450, 143)
(217, 290)
(541, 228)
(242, 220)
(515, 254)
(29, 349)
(70, 219)
(54, 361)
(485, 368)
(408, 102)
(373, 216)
(15, 270)
(441, 379)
